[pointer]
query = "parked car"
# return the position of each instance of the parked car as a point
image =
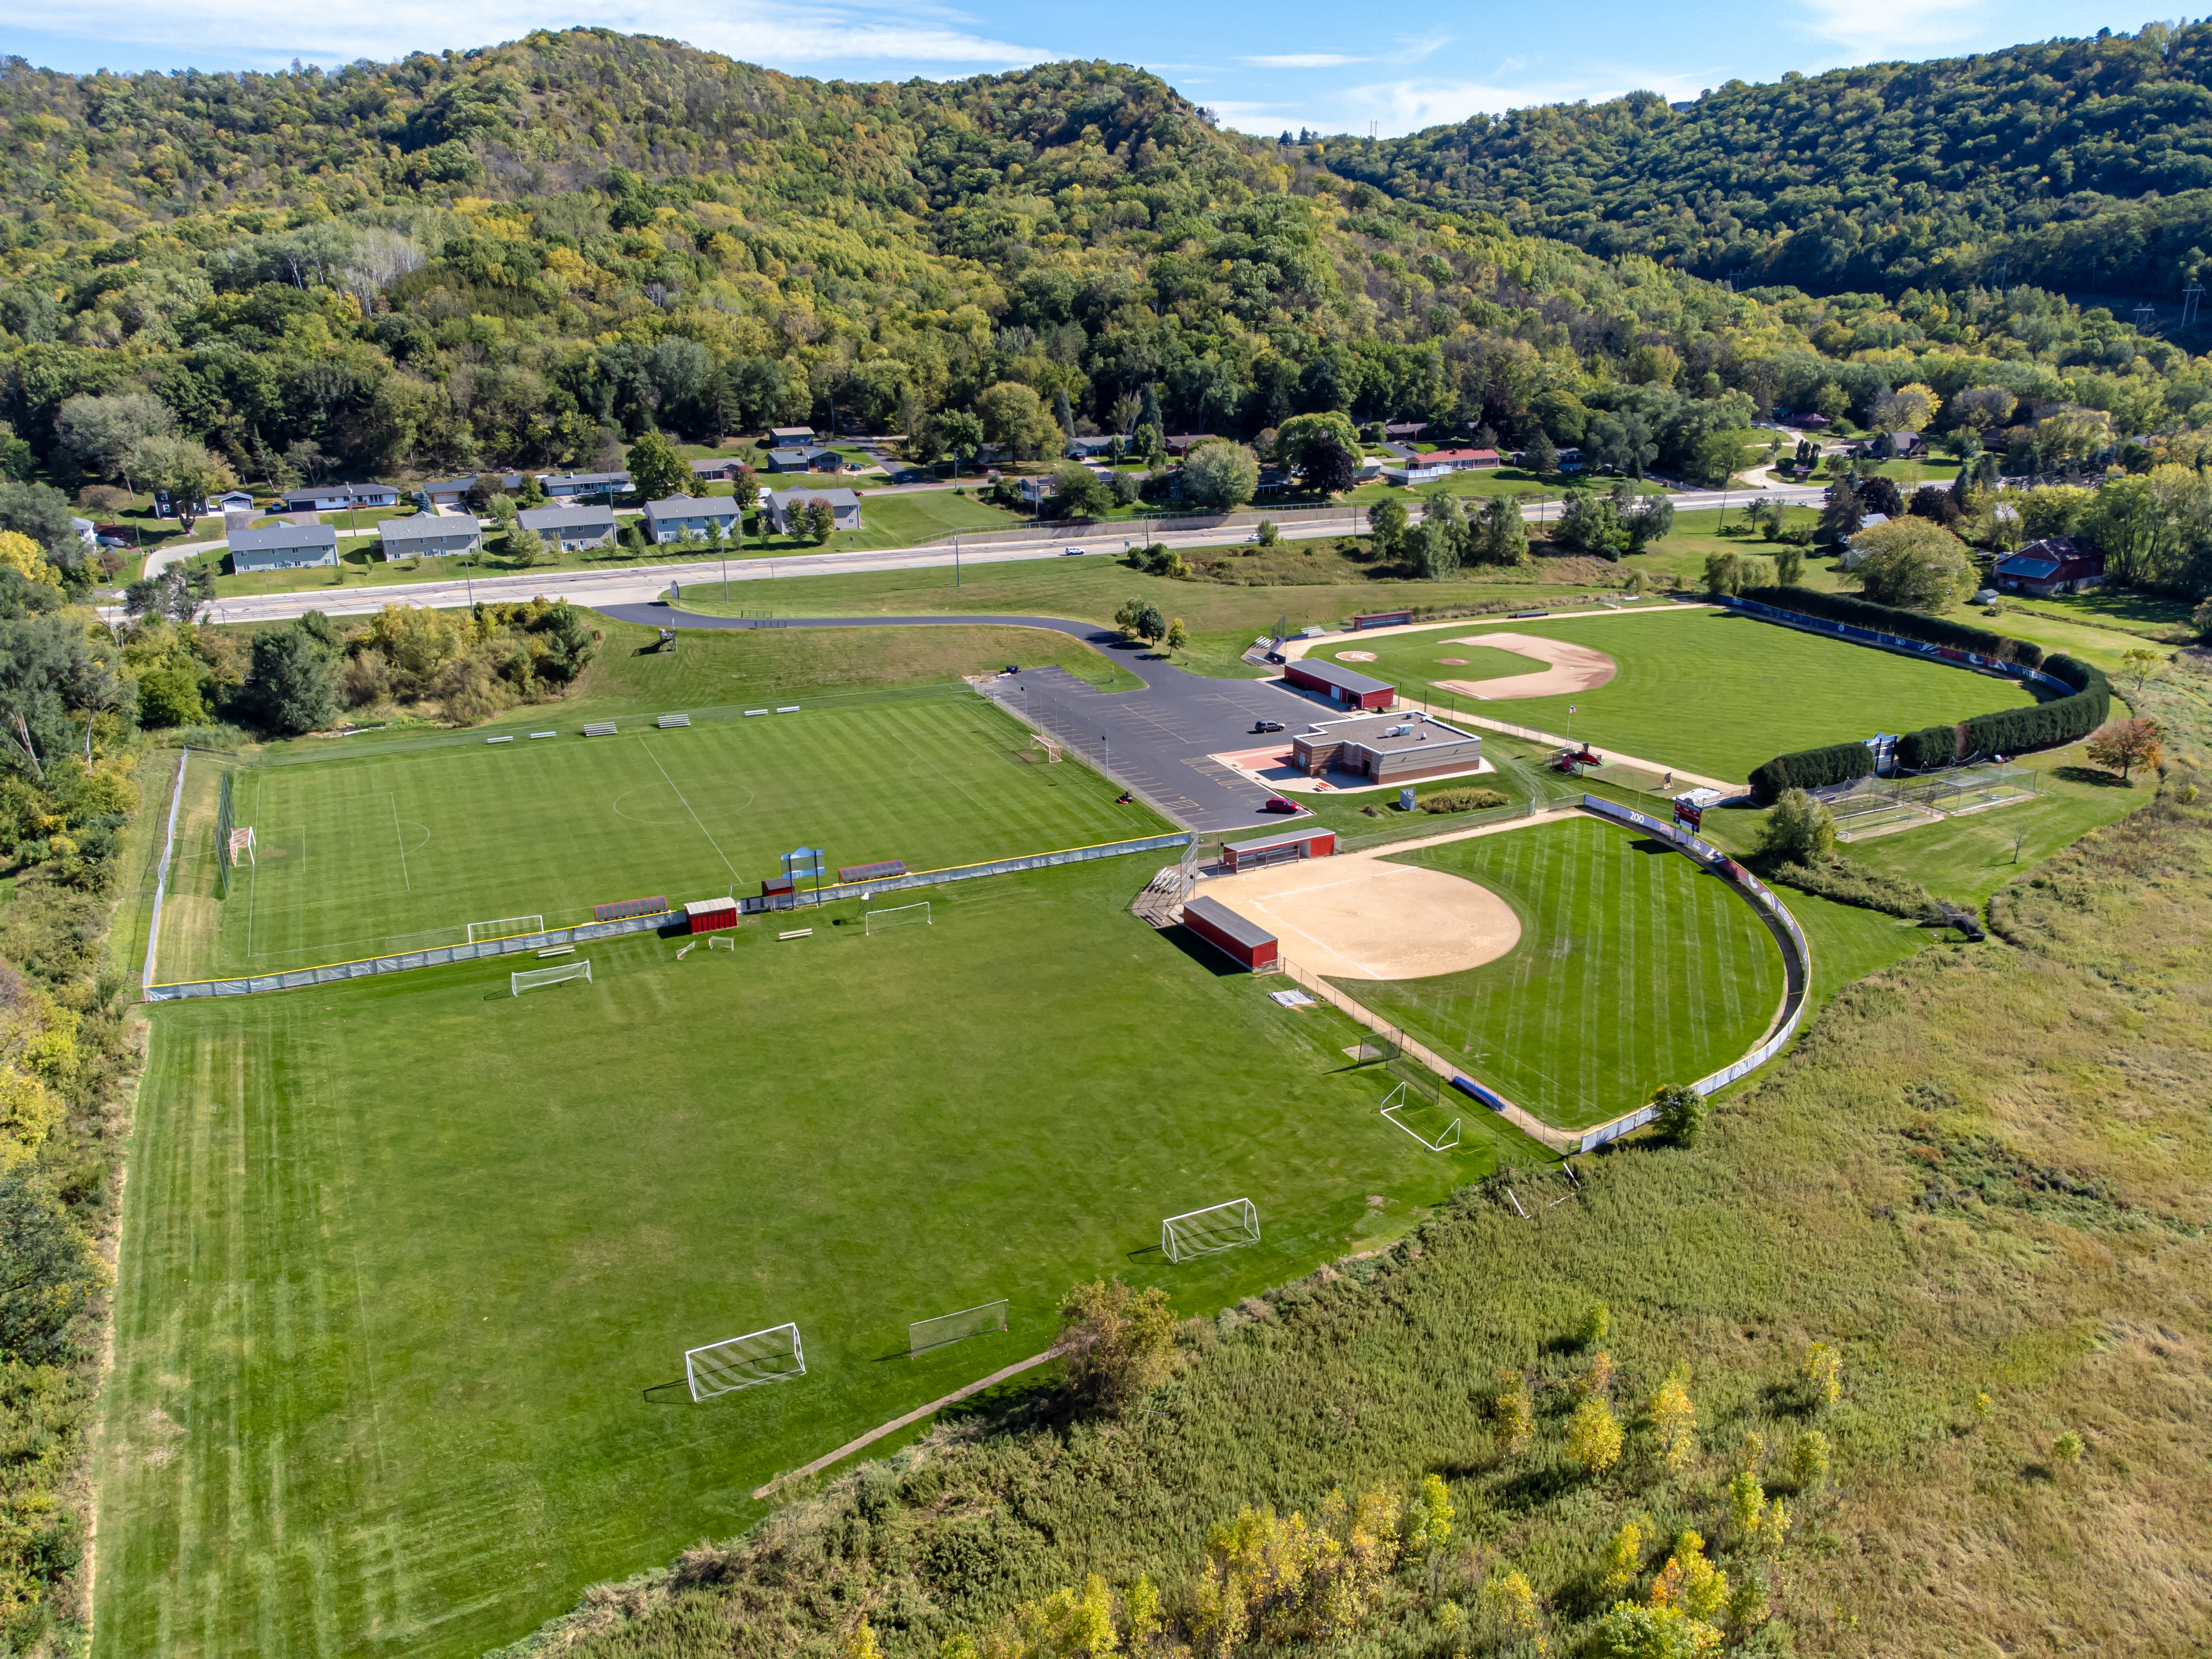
(1266, 725)
(1277, 803)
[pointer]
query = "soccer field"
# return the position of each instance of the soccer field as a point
(361, 855)
(1635, 968)
(1704, 690)
(409, 1265)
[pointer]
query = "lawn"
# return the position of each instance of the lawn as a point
(395, 850)
(1635, 968)
(900, 520)
(1712, 692)
(410, 1266)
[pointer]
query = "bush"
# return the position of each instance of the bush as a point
(1930, 747)
(1810, 768)
(1458, 800)
(2047, 725)
(1842, 882)
(1798, 828)
(1914, 563)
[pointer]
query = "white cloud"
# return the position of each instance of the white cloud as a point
(754, 30)
(1407, 106)
(1872, 37)
(1304, 60)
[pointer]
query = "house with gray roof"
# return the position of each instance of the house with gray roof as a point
(805, 458)
(687, 518)
(572, 525)
(431, 536)
(780, 504)
(337, 497)
(790, 437)
(283, 547)
(566, 486)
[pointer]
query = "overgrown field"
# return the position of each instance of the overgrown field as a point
(1707, 691)
(1635, 968)
(397, 850)
(410, 1265)
(1980, 1180)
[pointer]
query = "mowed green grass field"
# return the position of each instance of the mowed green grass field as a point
(409, 1265)
(1703, 689)
(360, 857)
(1635, 968)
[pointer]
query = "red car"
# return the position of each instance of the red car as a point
(1277, 804)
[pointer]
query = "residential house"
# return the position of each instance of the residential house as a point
(722, 468)
(572, 486)
(805, 458)
(790, 437)
(1182, 443)
(1403, 432)
(2056, 564)
(283, 547)
(689, 518)
(337, 497)
(451, 492)
(780, 504)
(1426, 466)
(572, 525)
(1089, 449)
(431, 536)
(86, 532)
(232, 501)
(1570, 460)
(1810, 422)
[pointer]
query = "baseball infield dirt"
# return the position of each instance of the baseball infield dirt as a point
(1572, 668)
(1360, 918)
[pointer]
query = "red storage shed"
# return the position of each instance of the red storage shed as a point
(1227, 931)
(1339, 684)
(708, 915)
(1279, 849)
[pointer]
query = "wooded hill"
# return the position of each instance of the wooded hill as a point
(2078, 164)
(524, 254)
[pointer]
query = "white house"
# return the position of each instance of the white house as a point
(283, 547)
(686, 517)
(337, 497)
(781, 505)
(564, 486)
(571, 527)
(429, 536)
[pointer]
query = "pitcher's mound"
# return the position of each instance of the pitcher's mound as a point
(1358, 918)
(1572, 668)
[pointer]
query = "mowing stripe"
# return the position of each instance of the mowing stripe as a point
(703, 830)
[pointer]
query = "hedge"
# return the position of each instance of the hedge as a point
(1905, 624)
(1810, 768)
(1930, 747)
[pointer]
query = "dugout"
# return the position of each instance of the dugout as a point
(1339, 684)
(1247, 942)
(1381, 619)
(1279, 849)
(710, 916)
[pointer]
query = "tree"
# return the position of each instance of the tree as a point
(1062, 415)
(656, 470)
(962, 434)
(1822, 1370)
(1646, 519)
(1681, 1114)
(296, 686)
(1879, 495)
(1014, 419)
(1501, 534)
(1540, 454)
(1799, 828)
(1724, 574)
(48, 1272)
(1596, 1326)
(1594, 1438)
(525, 547)
(1434, 549)
(2124, 745)
(820, 520)
(1220, 477)
(1151, 626)
(1386, 523)
(1809, 1461)
(1840, 514)
(1908, 409)
(1591, 523)
(101, 434)
(1177, 635)
(1330, 468)
(1936, 504)
(1082, 493)
(1719, 456)
(1788, 565)
(1630, 1631)
(1117, 1343)
(1830, 401)
(1914, 565)
(1295, 437)
(183, 468)
(2137, 664)
(1515, 1410)
(1623, 1557)
(1674, 1421)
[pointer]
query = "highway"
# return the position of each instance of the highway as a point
(699, 577)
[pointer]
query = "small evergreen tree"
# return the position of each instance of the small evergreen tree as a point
(1682, 1112)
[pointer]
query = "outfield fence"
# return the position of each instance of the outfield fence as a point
(1947, 653)
(162, 875)
(370, 967)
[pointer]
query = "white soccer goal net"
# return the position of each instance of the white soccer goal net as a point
(1209, 1231)
(1050, 747)
(904, 915)
(530, 978)
(505, 927)
(241, 846)
(1401, 1104)
(774, 1355)
(923, 1334)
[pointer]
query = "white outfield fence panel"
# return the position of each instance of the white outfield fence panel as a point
(482, 933)
(775, 1355)
(530, 978)
(923, 1334)
(330, 973)
(1210, 1230)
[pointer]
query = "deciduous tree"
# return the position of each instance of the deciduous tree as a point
(1220, 476)
(656, 469)
(2122, 745)
(1594, 1438)
(1914, 564)
(1117, 1343)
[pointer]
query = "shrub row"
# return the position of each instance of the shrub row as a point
(1905, 624)
(1459, 800)
(1842, 882)
(1810, 768)
(2016, 730)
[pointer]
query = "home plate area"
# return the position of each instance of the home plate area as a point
(1360, 918)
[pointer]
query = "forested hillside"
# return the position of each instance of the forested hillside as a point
(2072, 164)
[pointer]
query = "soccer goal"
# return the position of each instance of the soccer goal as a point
(774, 1355)
(530, 978)
(923, 1334)
(1209, 1231)
(1052, 751)
(241, 846)
(903, 915)
(505, 927)
(1400, 1101)
(720, 942)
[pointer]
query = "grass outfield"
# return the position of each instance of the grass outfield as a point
(409, 1266)
(1635, 968)
(1711, 692)
(401, 851)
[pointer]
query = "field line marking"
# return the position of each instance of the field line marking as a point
(703, 830)
(400, 839)
(914, 1416)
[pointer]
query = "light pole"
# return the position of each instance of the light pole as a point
(956, 558)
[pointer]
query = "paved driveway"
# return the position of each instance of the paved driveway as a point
(1155, 740)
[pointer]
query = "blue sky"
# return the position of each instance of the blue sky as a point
(1264, 68)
